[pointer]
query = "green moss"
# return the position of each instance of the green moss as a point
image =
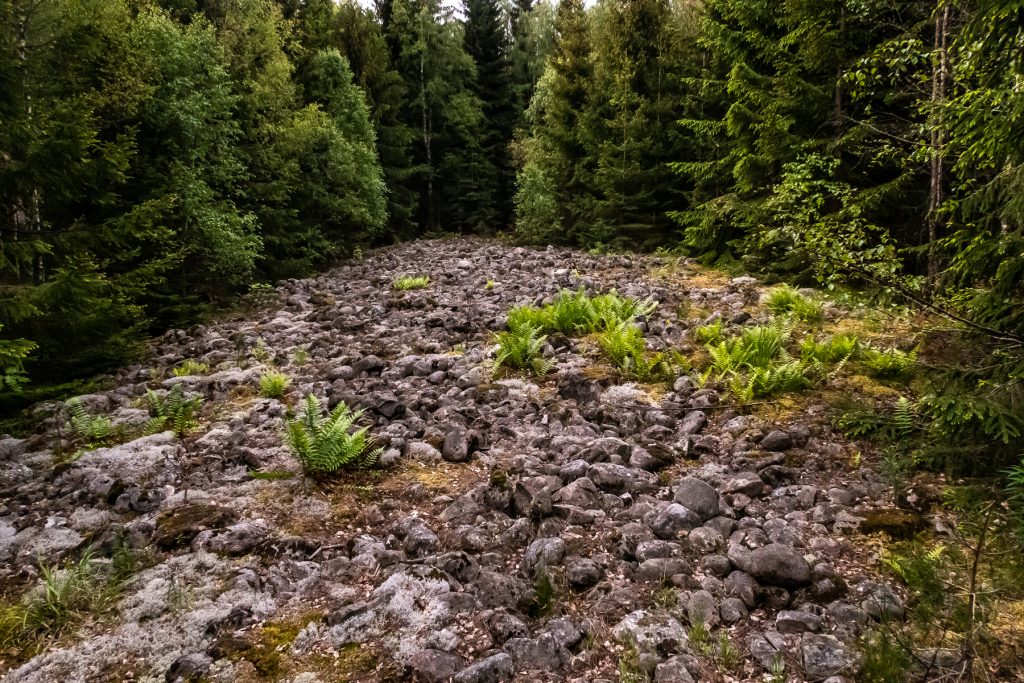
(897, 524)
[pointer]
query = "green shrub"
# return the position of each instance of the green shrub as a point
(174, 412)
(520, 347)
(325, 444)
(786, 300)
(190, 367)
(890, 363)
(407, 282)
(274, 384)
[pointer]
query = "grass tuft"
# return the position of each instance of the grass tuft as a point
(407, 282)
(274, 384)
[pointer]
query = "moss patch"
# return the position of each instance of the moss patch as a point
(897, 524)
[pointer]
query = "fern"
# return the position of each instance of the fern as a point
(710, 334)
(190, 367)
(787, 300)
(174, 412)
(92, 431)
(325, 444)
(274, 384)
(891, 363)
(520, 348)
(576, 313)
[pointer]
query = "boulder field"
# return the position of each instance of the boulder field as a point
(575, 527)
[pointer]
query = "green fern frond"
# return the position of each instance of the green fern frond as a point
(325, 444)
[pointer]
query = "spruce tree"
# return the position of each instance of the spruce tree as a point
(486, 41)
(554, 199)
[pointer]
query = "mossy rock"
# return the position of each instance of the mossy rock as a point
(897, 524)
(180, 525)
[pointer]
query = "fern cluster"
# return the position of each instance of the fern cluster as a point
(900, 421)
(786, 300)
(836, 349)
(92, 431)
(190, 367)
(756, 363)
(324, 444)
(711, 333)
(890, 363)
(520, 347)
(575, 313)
(624, 345)
(175, 412)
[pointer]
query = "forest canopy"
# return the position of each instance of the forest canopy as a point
(157, 157)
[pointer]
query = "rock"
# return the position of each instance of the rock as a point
(672, 670)
(716, 565)
(178, 526)
(603, 450)
(795, 621)
(776, 440)
(672, 519)
(747, 483)
(494, 669)
(824, 656)
(531, 498)
(699, 496)
(422, 452)
(649, 632)
(582, 493)
(767, 648)
(582, 572)
(732, 611)
(621, 479)
(435, 666)
(662, 569)
(542, 554)
(883, 604)
(502, 626)
(456, 445)
(693, 423)
(742, 586)
(701, 608)
(773, 564)
(190, 668)
(542, 653)
(240, 538)
(705, 540)
(574, 385)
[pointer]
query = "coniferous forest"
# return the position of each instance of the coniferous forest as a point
(163, 162)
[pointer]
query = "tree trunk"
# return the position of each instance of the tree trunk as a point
(940, 74)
